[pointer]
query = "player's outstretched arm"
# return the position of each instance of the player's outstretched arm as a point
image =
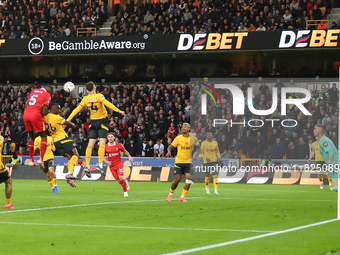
(128, 155)
(112, 107)
(169, 150)
(75, 112)
(311, 156)
(107, 162)
(69, 124)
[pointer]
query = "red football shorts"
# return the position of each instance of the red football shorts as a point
(117, 171)
(34, 121)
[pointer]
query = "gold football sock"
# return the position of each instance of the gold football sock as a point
(101, 154)
(72, 163)
(215, 182)
(320, 179)
(172, 191)
(184, 192)
(51, 184)
(88, 155)
(8, 201)
(329, 178)
(54, 180)
(207, 179)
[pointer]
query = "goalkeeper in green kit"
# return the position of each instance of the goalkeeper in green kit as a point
(328, 152)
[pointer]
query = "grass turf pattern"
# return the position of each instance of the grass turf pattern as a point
(94, 218)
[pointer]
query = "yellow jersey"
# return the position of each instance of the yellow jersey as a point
(317, 155)
(54, 124)
(2, 168)
(1, 144)
(49, 145)
(185, 146)
(210, 150)
(96, 103)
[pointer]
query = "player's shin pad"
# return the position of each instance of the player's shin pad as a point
(189, 181)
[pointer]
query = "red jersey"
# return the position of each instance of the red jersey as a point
(113, 152)
(36, 100)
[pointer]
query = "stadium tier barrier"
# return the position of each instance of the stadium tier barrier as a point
(157, 170)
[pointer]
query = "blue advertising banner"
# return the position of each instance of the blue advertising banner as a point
(138, 161)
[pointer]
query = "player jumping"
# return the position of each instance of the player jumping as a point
(6, 178)
(64, 145)
(113, 149)
(211, 155)
(328, 152)
(36, 108)
(49, 162)
(185, 144)
(99, 124)
(320, 162)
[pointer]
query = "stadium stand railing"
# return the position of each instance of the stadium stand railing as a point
(251, 162)
(88, 30)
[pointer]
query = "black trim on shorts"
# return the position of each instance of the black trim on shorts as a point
(182, 168)
(47, 164)
(320, 162)
(4, 176)
(65, 146)
(99, 128)
(210, 164)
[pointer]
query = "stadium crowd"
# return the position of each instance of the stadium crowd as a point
(196, 16)
(155, 114)
(28, 19)
(149, 114)
(254, 140)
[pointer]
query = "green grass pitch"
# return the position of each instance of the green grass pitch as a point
(145, 223)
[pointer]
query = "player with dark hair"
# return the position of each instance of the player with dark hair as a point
(49, 162)
(328, 152)
(64, 145)
(113, 149)
(36, 108)
(99, 124)
(185, 143)
(6, 178)
(210, 156)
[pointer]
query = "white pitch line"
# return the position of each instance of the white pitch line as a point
(251, 238)
(276, 199)
(133, 227)
(71, 206)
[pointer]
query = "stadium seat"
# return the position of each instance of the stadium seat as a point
(323, 11)
(13, 145)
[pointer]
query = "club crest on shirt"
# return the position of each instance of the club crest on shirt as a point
(116, 149)
(325, 144)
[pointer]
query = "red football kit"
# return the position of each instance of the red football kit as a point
(113, 153)
(33, 118)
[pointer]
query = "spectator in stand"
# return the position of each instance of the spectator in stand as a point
(259, 143)
(322, 25)
(7, 147)
(235, 145)
(292, 151)
(277, 150)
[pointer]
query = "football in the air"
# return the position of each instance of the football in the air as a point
(69, 87)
